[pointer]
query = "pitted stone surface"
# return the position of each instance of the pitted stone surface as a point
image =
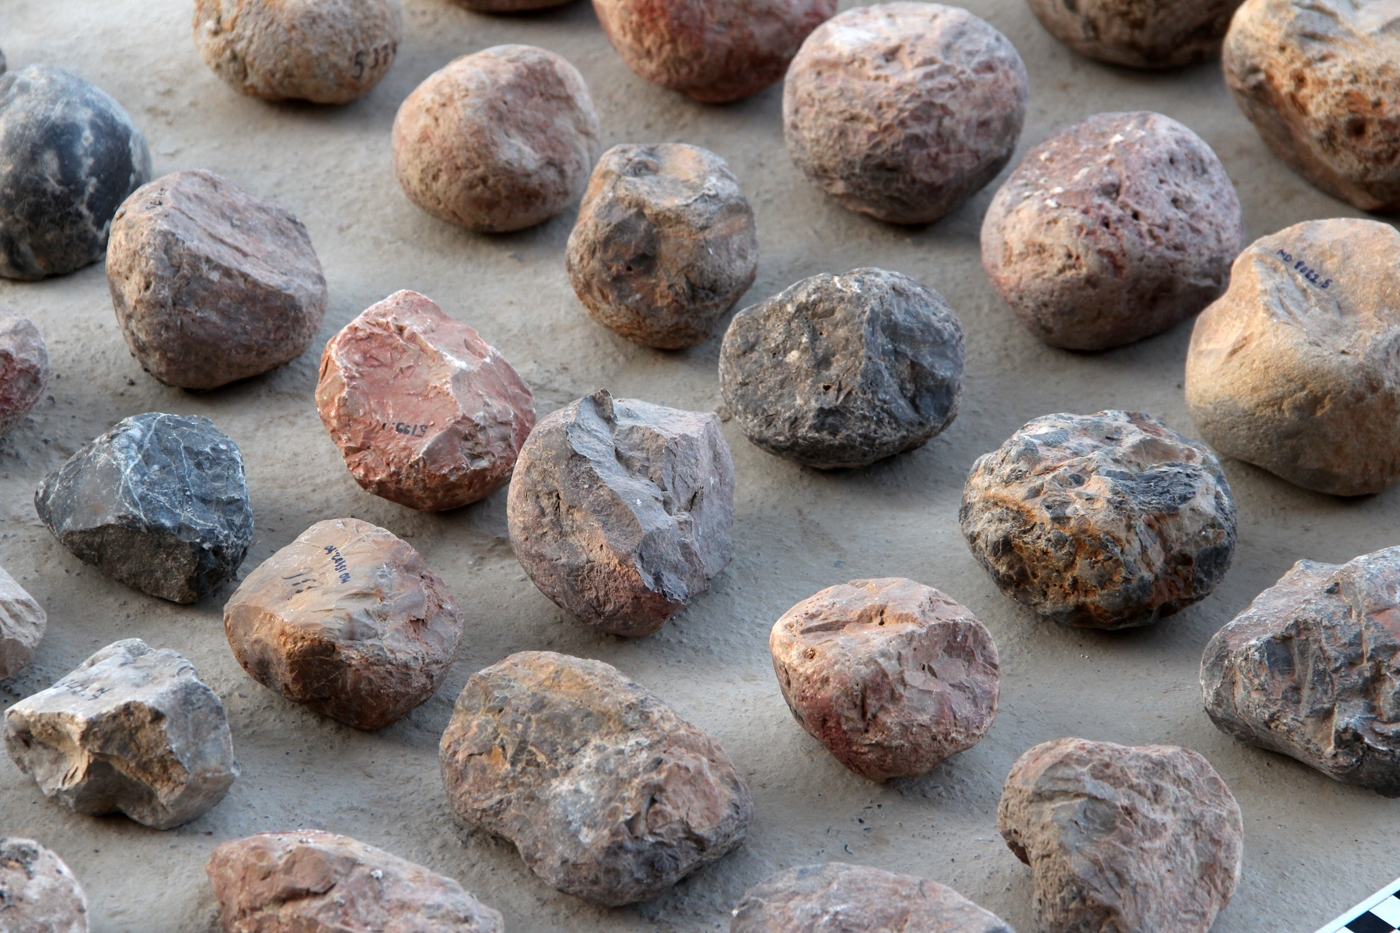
(24, 368)
(38, 893)
(22, 625)
(1138, 33)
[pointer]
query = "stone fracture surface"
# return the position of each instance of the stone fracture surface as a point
(1138, 33)
(131, 730)
(497, 141)
(664, 245)
(843, 370)
(1297, 367)
(24, 368)
(69, 155)
(607, 793)
(211, 283)
(1145, 839)
(317, 882)
(348, 620)
(22, 624)
(904, 110)
(425, 412)
(1102, 521)
(621, 511)
(1118, 228)
(160, 502)
(324, 51)
(38, 893)
(890, 675)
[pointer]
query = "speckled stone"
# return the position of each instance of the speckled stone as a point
(1138, 33)
(24, 368)
(38, 893)
(22, 625)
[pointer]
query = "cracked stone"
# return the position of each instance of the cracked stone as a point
(38, 893)
(22, 625)
(24, 368)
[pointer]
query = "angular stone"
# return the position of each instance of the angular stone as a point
(38, 893)
(316, 882)
(69, 156)
(22, 625)
(1118, 228)
(622, 511)
(842, 370)
(1144, 838)
(426, 413)
(890, 675)
(348, 620)
(24, 368)
(1138, 33)
(607, 794)
(131, 730)
(160, 502)
(1296, 368)
(664, 245)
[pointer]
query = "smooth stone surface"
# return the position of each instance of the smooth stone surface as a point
(1138, 33)
(24, 368)
(22, 625)
(159, 502)
(38, 893)
(607, 794)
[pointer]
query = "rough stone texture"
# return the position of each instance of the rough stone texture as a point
(843, 370)
(621, 511)
(1107, 520)
(24, 368)
(497, 141)
(1297, 367)
(22, 625)
(508, 6)
(211, 283)
(425, 412)
(348, 620)
(159, 502)
(1117, 228)
(664, 245)
(69, 155)
(904, 110)
(131, 730)
(317, 882)
(890, 675)
(1146, 838)
(38, 893)
(1138, 33)
(324, 51)
(607, 793)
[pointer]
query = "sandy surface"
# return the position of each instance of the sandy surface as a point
(1312, 847)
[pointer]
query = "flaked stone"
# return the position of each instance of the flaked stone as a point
(843, 370)
(621, 511)
(1296, 368)
(69, 156)
(664, 245)
(160, 502)
(38, 893)
(1145, 838)
(425, 412)
(1106, 521)
(22, 625)
(1118, 228)
(904, 110)
(24, 368)
(131, 730)
(890, 675)
(1138, 33)
(607, 794)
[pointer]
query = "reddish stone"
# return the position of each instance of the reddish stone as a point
(24, 368)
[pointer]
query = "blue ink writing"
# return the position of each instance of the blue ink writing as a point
(1303, 269)
(338, 562)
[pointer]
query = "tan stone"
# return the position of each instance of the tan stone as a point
(38, 893)
(22, 624)
(1138, 33)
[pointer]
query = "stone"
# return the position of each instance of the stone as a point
(903, 111)
(324, 51)
(1117, 228)
(508, 6)
(211, 283)
(316, 882)
(1138, 33)
(607, 794)
(715, 52)
(890, 675)
(1145, 838)
(622, 511)
(831, 897)
(1296, 368)
(24, 368)
(839, 371)
(349, 621)
(69, 156)
(22, 625)
(160, 502)
(38, 893)
(131, 730)
(1106, 521)
(425, 412)
(497, 141)
(664, 245)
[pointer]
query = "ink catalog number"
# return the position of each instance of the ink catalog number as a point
(1303, 269)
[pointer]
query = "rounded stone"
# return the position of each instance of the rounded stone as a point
(1138, 33)
(497, 141)
(24, 368)
(1296, 368)
(69, 156)
(1104, 521)
(38, 892)
(508, 6)
(324, 51)
(890, 675)
(1118, 228)
(903, 111)
(843, 370)
(664, 245)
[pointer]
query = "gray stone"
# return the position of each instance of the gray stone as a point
(38, 893)
(24, 368)
(22, 624)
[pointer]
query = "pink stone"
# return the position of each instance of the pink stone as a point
(24, 368)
